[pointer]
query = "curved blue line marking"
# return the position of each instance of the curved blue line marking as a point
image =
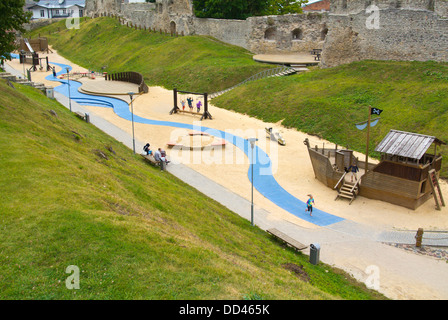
(264, 180)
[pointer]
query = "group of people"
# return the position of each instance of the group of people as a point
(190, 104)
(159, 155)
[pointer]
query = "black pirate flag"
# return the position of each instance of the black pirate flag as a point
(376, 111)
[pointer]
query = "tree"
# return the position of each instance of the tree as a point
(12, 18)
(242, 9)
(225, 9)
(280, 7)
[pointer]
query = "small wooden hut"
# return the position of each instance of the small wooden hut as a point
(407, 174)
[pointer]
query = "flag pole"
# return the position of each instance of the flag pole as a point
(367, 144)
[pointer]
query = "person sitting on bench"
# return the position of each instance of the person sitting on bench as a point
(147, 149)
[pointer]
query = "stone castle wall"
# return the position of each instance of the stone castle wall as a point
(407, 29)
(270, 34)
(398, 30)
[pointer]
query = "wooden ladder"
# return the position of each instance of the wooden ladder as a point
(348, 191)
(436, 190)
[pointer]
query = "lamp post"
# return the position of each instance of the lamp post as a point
(22, 54)
(131, 95)
(68, 82)
(252, 145)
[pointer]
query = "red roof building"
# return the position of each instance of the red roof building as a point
(323, 5)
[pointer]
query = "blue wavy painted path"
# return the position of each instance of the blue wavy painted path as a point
(264, 181)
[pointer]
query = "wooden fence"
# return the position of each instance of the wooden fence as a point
(130, 76)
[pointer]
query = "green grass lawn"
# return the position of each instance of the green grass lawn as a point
(71, 195)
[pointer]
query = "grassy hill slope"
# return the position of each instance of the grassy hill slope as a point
(71, 195)
(328, 102)
(193, 63)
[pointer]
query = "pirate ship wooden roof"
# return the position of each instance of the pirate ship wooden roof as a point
(406, 144)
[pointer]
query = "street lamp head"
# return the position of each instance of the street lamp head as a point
(252, 141)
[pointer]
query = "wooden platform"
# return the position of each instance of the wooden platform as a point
(190, 112)
(198, 133)
(287, 239)
(172, 144)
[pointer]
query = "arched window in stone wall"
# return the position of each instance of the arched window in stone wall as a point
(323, 33)
(173, 28)
(270, 33)
(297, 34)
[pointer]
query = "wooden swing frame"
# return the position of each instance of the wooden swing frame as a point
(176, 109)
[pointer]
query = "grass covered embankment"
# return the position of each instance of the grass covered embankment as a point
(327, 102)
(71, 195)
(193, 63)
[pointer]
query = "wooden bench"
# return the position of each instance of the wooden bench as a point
(150, 159)
(82, 116)
(287, 239)
(153, 161)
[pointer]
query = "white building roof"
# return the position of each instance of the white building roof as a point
(58, 4)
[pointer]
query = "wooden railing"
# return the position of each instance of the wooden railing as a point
(132, 77)
(340, 180)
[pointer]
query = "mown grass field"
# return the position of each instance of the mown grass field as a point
(326, 102)
(71, 195)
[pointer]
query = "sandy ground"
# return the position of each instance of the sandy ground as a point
(291, 164)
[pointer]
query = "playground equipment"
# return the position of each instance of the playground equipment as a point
(196, 140)
(129, 76)
(34, 45)
(28, 55)
(406, 175)
(198, 106)
(78, 75)
(275, 136)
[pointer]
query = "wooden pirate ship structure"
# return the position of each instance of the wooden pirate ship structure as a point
(407, 174)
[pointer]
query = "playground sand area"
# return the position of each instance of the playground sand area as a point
(292, 168)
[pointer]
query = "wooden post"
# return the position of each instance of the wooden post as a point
(206, 114)
(367, 143)
(175, 98)
(175, 107)
(419, 237)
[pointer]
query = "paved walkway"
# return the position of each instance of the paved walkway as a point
(287, 59)
(345, 244)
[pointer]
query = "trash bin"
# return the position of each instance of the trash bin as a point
(49, 92)
(314, 253)
(87, 118)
